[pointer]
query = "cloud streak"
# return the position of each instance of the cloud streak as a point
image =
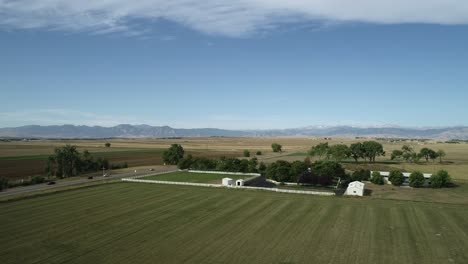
(235, 18)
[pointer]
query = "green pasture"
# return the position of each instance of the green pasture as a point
(150, 223)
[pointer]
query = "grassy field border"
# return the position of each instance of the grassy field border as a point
(40, 193)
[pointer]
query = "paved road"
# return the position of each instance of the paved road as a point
(42, 187)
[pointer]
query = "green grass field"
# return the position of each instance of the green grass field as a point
(183, 176)
(148, 223)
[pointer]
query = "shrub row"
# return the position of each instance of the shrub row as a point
(222, 164)
(416, 179)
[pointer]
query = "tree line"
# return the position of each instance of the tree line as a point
(367, 150)
(416, 179)
(322, 173)
(67, 161)
(222, 164)
(408, 154)
(175, 155)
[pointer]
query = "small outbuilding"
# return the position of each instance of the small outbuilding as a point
(227, 182)
(355, 188)
(240, 182)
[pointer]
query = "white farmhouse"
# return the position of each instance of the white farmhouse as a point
(355, 188)
(227, 182)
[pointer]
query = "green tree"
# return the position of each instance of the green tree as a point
(173, 155)
(253, 163)
(415, 157)
(65, 162)
(51, 166)
(319, 150)
(279, 171)
(262, 168)
(372, 149)
(433, 155)
(441, 154)
(276, 147)
(339, 152)
(246, 153)
(440, 179)
(244, 165)
(408, 153)
(297, 168)
(416, 179)
(107, 145)
(327, 171)
(376, 178)
(396, 154)
(396, 177)
(185, 163)
(428, 153)
(356, 151)
(3, 183)
(407, 149)
(361, 175)
(258, 153)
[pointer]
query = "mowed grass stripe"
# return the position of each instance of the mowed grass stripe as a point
(204, 221)
(176, 219)
(233, 235)
(128, 225)
(64, 223)
(166, 232)
(138, 223)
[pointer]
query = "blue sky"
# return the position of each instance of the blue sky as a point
(261, 65)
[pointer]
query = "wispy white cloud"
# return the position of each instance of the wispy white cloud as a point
(233, 18)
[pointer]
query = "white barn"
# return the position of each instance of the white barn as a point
(355, 188)
(227, 182)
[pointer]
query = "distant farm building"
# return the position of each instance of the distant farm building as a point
(227, 182)
(240, 182)
(386, 174)
(355, 188)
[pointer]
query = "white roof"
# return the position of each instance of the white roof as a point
(356, 184)
(228, 179)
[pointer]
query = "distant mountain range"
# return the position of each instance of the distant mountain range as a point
(146, 131)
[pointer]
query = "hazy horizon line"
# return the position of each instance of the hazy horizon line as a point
(253, 129)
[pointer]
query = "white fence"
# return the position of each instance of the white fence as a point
(254, 175)
(150, 174)
(235, 187)
(225, 172)
(172, 183)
